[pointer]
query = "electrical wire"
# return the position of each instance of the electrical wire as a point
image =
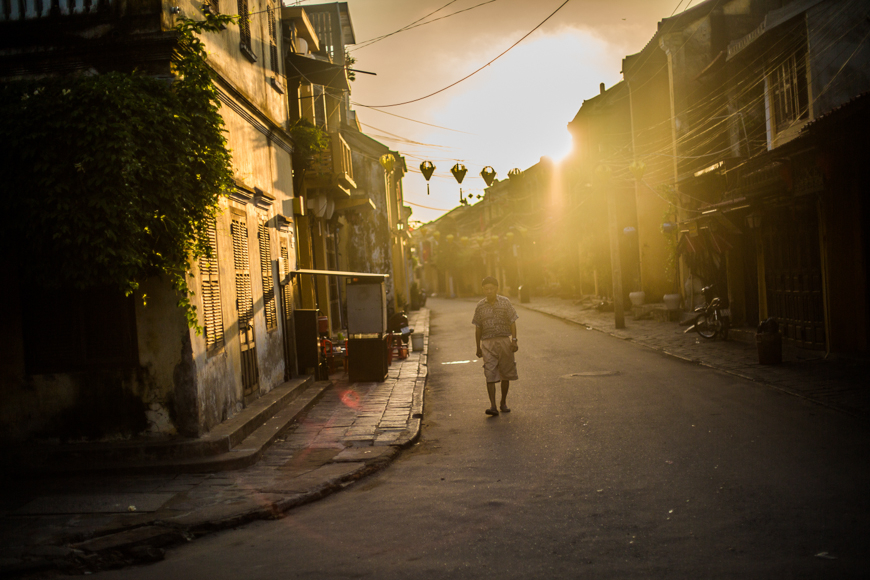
(418, 23)
(476, 71)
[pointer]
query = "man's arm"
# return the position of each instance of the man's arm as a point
(478, 332)
(514, 344)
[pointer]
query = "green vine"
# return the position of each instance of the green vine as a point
(308, 142)
(114, 177)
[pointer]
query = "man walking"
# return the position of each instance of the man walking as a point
(496, 337)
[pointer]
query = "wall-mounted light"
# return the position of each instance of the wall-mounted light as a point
(174, 10)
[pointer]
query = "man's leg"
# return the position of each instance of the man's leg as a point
(505, 385)
(490, 390)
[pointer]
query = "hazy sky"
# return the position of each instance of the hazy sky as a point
(508, 115)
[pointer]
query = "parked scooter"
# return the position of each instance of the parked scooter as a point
(712, 320)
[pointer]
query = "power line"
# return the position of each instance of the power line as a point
(414, 24)
(475, 72)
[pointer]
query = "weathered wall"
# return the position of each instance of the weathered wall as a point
(839, 53)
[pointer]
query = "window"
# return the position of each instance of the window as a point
(273, 39)
(211, 295)
(244, 300)
(245, 30)
(269, 307)
(287, 294)
(789, 92)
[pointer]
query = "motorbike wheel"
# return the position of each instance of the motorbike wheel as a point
(707, 325)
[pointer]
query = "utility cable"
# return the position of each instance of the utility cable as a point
(475, 72)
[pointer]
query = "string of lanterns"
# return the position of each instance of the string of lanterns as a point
(427, 168)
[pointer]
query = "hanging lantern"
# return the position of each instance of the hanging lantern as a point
(637, 168)
(459, 172)
(463, 240)
(450, 237)
(387, 161)
(427, 168)
(514, 173)
(437, 235)
(509, 236)
(488, 175)
(602, 173)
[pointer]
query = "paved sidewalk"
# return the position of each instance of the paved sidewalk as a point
(83, 523)
(837, 382)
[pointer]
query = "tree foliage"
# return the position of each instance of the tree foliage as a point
(113, 178)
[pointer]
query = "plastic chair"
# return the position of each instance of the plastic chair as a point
(326, 348)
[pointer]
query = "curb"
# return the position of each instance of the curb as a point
(147, 541)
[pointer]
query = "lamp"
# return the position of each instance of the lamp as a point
(459, 172)
(387, 161)
(427, 168)
(637, 168)
(488, 175)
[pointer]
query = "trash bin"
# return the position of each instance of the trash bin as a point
(417, 342)
(769, 343)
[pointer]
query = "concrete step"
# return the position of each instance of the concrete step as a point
(235, 443)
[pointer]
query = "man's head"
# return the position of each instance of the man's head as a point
(490, 287)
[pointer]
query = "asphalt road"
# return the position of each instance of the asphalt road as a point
(616, 462)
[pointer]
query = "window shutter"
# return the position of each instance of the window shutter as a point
(269, 306)
(211, 294)
(244, 300)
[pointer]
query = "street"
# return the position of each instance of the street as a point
(616, 462)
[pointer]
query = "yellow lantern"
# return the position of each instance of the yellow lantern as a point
(637, 168)
(488, 175)
(387, 161)
(427, 168)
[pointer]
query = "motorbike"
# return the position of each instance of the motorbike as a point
(711, 320)
(398, 325)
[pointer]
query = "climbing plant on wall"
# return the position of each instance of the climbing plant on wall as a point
(111, 179)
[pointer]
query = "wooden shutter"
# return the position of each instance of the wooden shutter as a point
(287, 294)
(273, 38)
(245, 26)
(211, 294)
(269, 307)
(244, 300)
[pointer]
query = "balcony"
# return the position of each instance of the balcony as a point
(39, 37)
(17, 10)
(332, 170)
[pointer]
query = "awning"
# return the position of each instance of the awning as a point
(317, 72)
(359, 204)
(339, 273)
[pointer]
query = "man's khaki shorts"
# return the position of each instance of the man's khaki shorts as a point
(498, 359)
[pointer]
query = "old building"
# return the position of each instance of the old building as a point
(349, 206)
(122, 366)
(793, 183)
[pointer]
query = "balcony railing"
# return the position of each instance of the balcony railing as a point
(333, 168)
(16, 10)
